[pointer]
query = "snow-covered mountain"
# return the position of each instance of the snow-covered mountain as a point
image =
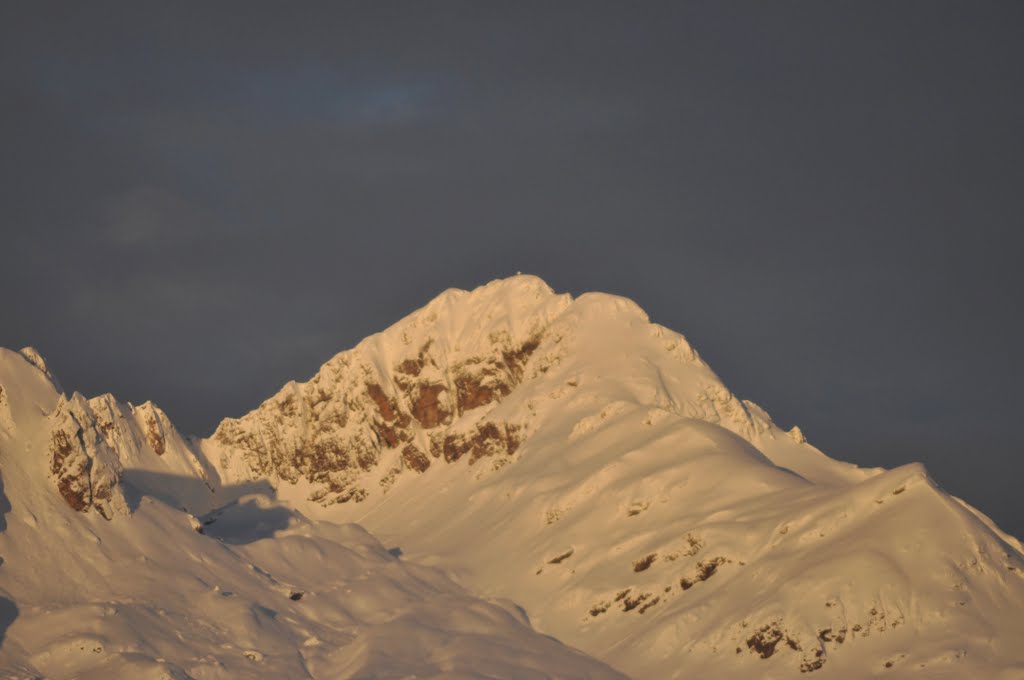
(563, 454)
(106, 572)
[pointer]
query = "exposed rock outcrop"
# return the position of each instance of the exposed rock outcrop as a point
(334, 430)
(86, 470)
(93, 441)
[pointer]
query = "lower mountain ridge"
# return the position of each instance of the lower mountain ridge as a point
(537, 465)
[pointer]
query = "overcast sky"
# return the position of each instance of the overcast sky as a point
(199, 202)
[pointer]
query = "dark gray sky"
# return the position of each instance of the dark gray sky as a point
(199, 202)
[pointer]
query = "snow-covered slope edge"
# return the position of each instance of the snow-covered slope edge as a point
(104, 574)
(571, 455)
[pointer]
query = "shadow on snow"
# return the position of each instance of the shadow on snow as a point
(235, 514)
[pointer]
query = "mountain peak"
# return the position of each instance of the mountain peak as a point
(461, 318)
(526, 291)
(471, 375)
(520, 285)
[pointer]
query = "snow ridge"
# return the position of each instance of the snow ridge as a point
(422, 391)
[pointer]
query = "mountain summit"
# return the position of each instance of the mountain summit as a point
(466, 376)
(570, 456)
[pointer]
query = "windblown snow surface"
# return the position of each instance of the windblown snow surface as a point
(544, 475)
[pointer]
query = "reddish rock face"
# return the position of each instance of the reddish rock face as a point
(472, 393)
(411, 367)
(82, 481)
(415, 459)
(516, 360)
(70, 465)
(489, 439)
(478, 382)
(427, 408)
(389, 436)
(385, 406)
(414, 366)
(154, 435)
(351, 414)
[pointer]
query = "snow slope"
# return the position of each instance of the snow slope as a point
(512, 445)
(105, 574)
(574, 457)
